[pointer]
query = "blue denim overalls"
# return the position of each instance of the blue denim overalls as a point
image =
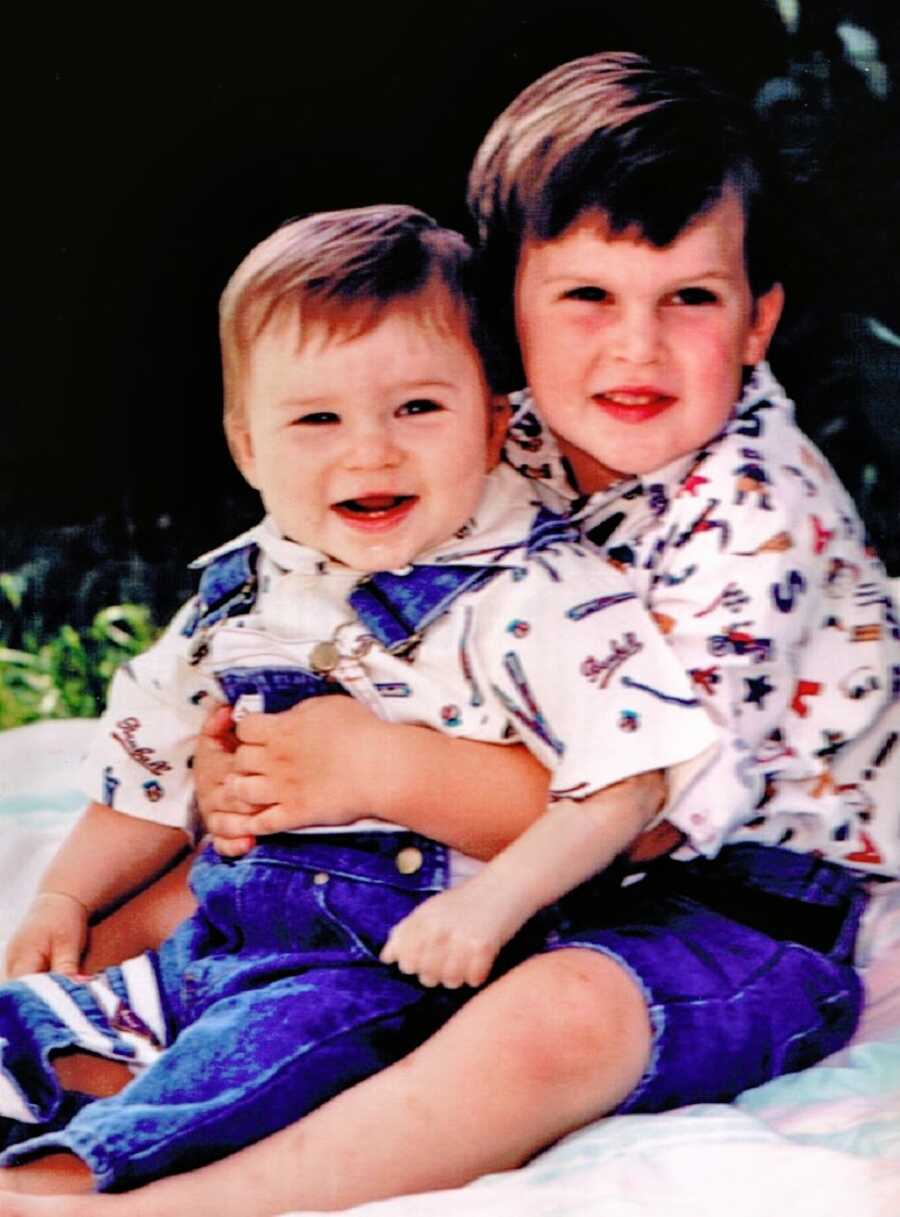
(270, 998)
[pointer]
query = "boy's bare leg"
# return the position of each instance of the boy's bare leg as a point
(559, 1041)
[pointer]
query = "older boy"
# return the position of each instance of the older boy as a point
(389, 566)
(536, 1052)
(636, 320)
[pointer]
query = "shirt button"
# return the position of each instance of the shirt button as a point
(320, 878)
(409, 860)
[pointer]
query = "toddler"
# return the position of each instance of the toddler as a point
(392, 566)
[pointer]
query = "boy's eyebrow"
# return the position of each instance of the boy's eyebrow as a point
(578, 276)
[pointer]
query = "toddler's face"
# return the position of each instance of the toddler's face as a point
(634, 354)
(370, 449)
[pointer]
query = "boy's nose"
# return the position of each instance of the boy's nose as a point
(637, 336)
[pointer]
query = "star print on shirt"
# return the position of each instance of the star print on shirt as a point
(758, 689)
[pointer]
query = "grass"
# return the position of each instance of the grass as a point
(67, 675)
(75, 603)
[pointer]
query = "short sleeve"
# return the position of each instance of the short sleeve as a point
(141, 759)
(586, 679)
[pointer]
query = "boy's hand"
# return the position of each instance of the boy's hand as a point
(310, 766)
(454, 938)
(52, 938)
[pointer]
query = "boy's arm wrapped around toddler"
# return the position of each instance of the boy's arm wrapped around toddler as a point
(329, 760)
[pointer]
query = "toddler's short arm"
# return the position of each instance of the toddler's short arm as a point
(576, 839)
(453, 938)
(108, 855)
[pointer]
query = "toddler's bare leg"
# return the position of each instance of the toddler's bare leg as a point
(134, 927)
(66, 1174)
(53, 1175)
(559, 1041)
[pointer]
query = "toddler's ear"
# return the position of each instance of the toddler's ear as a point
(499, 414)
(241, 446)
(766, 315)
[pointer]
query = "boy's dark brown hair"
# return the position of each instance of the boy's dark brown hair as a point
(650, 146)
(341, 270)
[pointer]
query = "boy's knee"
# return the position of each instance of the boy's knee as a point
(582, 1024)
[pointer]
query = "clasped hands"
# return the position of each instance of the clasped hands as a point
(269, 773)
(316, 765)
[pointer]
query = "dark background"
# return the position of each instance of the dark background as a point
(157, 151)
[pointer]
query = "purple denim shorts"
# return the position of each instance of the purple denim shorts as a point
(745, 962)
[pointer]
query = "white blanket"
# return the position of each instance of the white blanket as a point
(822, 1143)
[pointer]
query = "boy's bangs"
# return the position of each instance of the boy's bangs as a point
(654, 179)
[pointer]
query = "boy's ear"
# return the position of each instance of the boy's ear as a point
(241, 445)
(767, 310)
(499, 414)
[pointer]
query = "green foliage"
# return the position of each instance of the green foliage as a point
(66, 674)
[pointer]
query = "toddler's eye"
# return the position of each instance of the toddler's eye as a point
(588, 292)
(318, 418)
(420, 405)
(695, 295)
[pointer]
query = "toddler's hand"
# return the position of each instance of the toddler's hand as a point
(453, 938)
(52, 937)
(310, 766)
(223, 816)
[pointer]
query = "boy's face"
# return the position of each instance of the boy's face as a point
(634, 354)
(370, 449)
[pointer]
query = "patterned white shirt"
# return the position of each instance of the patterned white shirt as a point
(752, 559)
(554, 651)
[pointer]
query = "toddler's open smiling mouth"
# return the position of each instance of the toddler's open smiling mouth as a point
(374, 512)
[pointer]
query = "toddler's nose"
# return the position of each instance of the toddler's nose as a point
(372, 446)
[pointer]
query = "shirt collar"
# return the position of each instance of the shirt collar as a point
(532, 449)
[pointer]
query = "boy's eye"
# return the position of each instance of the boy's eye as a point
(588, 292)
(420, 405)
(318, 418)
(694, 295)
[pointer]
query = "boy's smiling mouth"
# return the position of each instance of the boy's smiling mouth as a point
(374, 512)
(634, 404)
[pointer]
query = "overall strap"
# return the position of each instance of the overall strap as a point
(228, 587)
(397, 608)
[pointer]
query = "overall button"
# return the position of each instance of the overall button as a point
(320, 878)
(409, 860)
